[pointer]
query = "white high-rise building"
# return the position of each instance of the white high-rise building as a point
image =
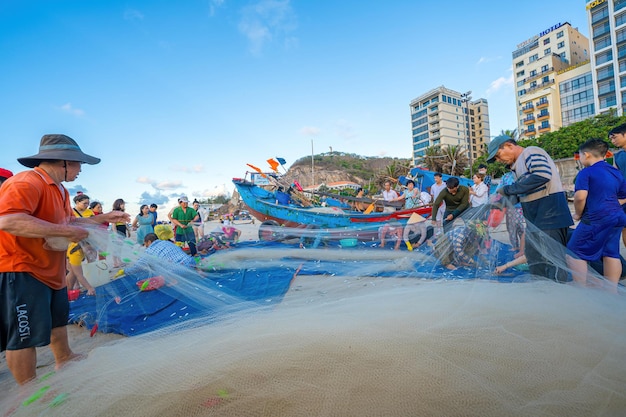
(607, 29)
(449, 118)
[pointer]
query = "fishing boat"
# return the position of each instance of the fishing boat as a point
(280, 220)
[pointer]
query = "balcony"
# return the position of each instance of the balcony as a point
(543, 103)
(529, 132)
(543, 116)
(529, 120)
(544, 128)
(528, 108)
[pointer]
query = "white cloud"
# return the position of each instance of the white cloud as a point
(268, 20)
(67, 108)
(484, 59)
(310, 131)
(145, 180)
(214, 192)
(500, 84)
(132, 14)
(167, 185)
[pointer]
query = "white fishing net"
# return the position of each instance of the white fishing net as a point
(276, 329)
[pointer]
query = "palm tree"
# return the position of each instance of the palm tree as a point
(510, 133)
(456, 160)
(393, 171)
(433, 158)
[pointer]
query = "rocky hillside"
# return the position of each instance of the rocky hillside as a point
(344, 167)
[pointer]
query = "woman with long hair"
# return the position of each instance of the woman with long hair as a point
(122, 230)
(143, 223)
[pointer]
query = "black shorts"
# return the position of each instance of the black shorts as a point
(29, 310)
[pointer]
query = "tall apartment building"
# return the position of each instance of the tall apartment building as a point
(607, 29)
(449, 118)
(536, 63)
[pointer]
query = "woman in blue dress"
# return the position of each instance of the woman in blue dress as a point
(143, 223)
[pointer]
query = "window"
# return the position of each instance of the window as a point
(533, 73)
(601, 29)
(597, 15)
(546, 41)
(533, 58)
(519, 64)
(443, 98)
(620, 20)
(559, 35)
(602, 43)
(521, 92)
(547, 51)
(545, 124)
(419, 114)
(604, 57)
(606, 87)
(560, 45)
(533, 84)
(608, 101)
(545, 79)
(605, 73)
(544, 68)
(520, 74)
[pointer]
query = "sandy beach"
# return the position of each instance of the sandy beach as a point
(381, 337)
(80, 339)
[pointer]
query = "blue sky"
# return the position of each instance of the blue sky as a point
(177, 96)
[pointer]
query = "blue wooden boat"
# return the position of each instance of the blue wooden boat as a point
(336, 222)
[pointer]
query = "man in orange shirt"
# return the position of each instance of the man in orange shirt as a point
(36, 225)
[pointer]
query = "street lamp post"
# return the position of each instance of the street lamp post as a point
(312, 165)
(465, 98)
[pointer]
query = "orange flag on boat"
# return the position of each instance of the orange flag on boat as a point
(273, 164)
(257, 170)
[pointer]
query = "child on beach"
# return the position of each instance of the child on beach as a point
(598, 188)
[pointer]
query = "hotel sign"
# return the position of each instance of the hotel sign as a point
(595, 3)
(545, 32)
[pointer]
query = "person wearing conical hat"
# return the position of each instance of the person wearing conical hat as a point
(36, 226)
(415, 226)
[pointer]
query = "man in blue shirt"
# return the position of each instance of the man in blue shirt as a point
(162, 250)
(153, 212)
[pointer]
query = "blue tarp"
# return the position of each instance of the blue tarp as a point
(120, 306)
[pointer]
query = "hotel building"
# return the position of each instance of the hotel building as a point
(449, 118)
(536, 64)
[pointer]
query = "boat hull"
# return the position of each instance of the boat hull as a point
(338, 223)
